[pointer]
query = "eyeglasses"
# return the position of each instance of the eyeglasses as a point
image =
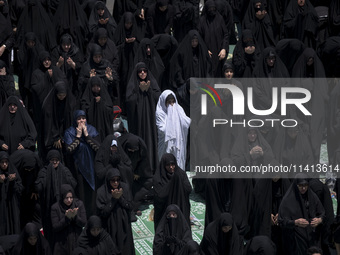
(142, 70)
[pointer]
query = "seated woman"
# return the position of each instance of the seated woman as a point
(95, 240)
(114, 207)
(172, 233)
(17, 130)
(173, 126)
(32, 242)
(68, 217)
(172, 186)
(221, 237)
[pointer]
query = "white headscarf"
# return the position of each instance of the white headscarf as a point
(173, 126)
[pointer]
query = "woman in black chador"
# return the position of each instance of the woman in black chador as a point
(68, 217)
(57, 117)
(172, 233)
(171, 186)
(6, 33)
(17, 130)
(215, 34)
(48, 186)
(142, 95)
(301, 22)
(68, 58)
(191, 59)
(10, 191)
(7, 87)
(259, 22)
(97, 104)
(31, 242)
(245, 55)
(300, 215)
(95, 240)
(101, 18)
(221, 237)
(114, 207)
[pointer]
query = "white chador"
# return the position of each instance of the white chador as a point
(172, 125)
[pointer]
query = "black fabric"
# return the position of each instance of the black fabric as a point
(106, 159)
(334, 17)
(214, 33)
(6, 33)
(100, 70)
(296, 240)
(172, 234)
(166, 45)
(95, 19)
(22, 246)
(48, 185)
(301, 23)
(262, 29)
(70, 18)
(289, 50)
(215, 241)
(7, 87)
(17, 128)
(42, 83)
(28, 60)
(99, 114)
(10, 191)
(159, 22)
(268, 195)
(99, 245)
(315, 124)
(109, 49)
(141, 108)
(115, 213)
(243, 62)
(34, 18)
(57, 115)
(120, 7)
(329, 53)
(75, 55)
(153, 61)
(186, 17)
(67, 229)
(28, 164)
(260, 245)
(170, 189)
(190, 62)
(127, 52)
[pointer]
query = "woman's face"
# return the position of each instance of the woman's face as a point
(61, 96)
(128, 25)
(30, 43)
(102, 41)
(97, 58)
(226, 229)
(252, 135)
(96, 88)
(142, 73)
(100, 12)
(32, 240)
(66, 47)
(172, 215)
(170, 101)
(114, 182)
(81, 120)
(95, 231)
(47, 63)
(270, 61)
(170, 167)
(229, 73)
(12, 108)
(68, 199)
(4, 164)
(55, 162)
(194, 43)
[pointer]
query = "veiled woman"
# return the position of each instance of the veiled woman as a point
(68, 217)
(173, 126)
(172, 233)
(171, 186)
(114, 207)
(142, 94)
(17, 130)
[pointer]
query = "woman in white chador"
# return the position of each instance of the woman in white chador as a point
(172, 125)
